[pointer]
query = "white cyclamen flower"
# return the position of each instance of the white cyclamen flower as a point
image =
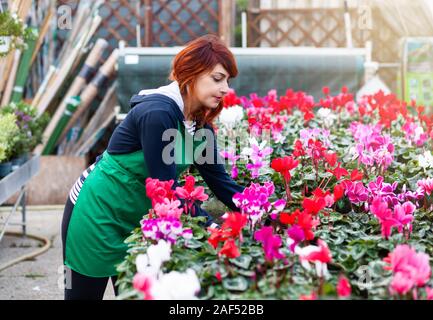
(159, 253)
(425, 160)
(229, 117)
(150, 263)
(176, 286)
(327, 116)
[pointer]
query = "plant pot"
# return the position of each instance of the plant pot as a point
(17, 162)
(5, 169)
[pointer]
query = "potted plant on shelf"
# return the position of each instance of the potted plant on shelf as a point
(8, 129)
(30, 130)
(13, 33)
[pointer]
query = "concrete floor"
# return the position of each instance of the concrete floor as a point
(39, 278)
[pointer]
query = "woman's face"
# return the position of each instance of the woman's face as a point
(211, 87)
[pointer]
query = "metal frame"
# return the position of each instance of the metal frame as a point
(16, 181)
(125, 51)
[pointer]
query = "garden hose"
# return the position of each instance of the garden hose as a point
(29, 255)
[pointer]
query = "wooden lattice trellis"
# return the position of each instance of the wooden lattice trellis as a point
(162, 22)
(322, 27)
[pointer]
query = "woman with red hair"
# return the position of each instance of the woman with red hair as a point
(109, 199)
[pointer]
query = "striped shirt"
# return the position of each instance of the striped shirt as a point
(75, 190)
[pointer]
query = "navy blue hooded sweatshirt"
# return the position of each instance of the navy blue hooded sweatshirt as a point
(149, 117)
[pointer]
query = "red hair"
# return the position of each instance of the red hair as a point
(201, 56)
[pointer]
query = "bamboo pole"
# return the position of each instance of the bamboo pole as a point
(7, 64)
(71, 107)
(97, 134)
(64, 71)
(10, 83)
(89, 93)
(42, 34)
(84, 76)
(43, 86)
(104, 110)
(23, 70)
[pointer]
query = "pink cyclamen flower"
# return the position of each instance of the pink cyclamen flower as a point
(143, 283)
(343, 287)
(322, 254)
(168, 209)
(271, 243)
(189, 192)
(401, 284)
(403, 214)
(311, 296)
(157, 190)
(426, 185)
(410, 269)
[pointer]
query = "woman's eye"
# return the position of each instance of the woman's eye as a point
(217, 80)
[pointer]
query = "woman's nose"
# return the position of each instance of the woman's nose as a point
(225, 88)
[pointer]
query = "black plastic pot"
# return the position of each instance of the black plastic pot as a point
(5, 169)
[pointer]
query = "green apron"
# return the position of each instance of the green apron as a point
(111, 203)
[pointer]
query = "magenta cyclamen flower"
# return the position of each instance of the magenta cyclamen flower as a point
(271, 243)
(400, 217)
(254, 201)
(232, 157)
(415, 133)
(296, 234)
(356, 192)
(385, 216)
(410, 269)
(384, 190)
(408, 195)
(372, 147)
(163, 228)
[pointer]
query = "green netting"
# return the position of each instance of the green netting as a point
(257, 73)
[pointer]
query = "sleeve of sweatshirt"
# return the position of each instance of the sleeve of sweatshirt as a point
(154, 129)
(216, 177)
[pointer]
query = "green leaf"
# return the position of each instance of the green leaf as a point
(242, 261)
(130, 294)
(193, 244)
(236, 284)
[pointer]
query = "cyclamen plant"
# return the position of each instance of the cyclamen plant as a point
(323, 200)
